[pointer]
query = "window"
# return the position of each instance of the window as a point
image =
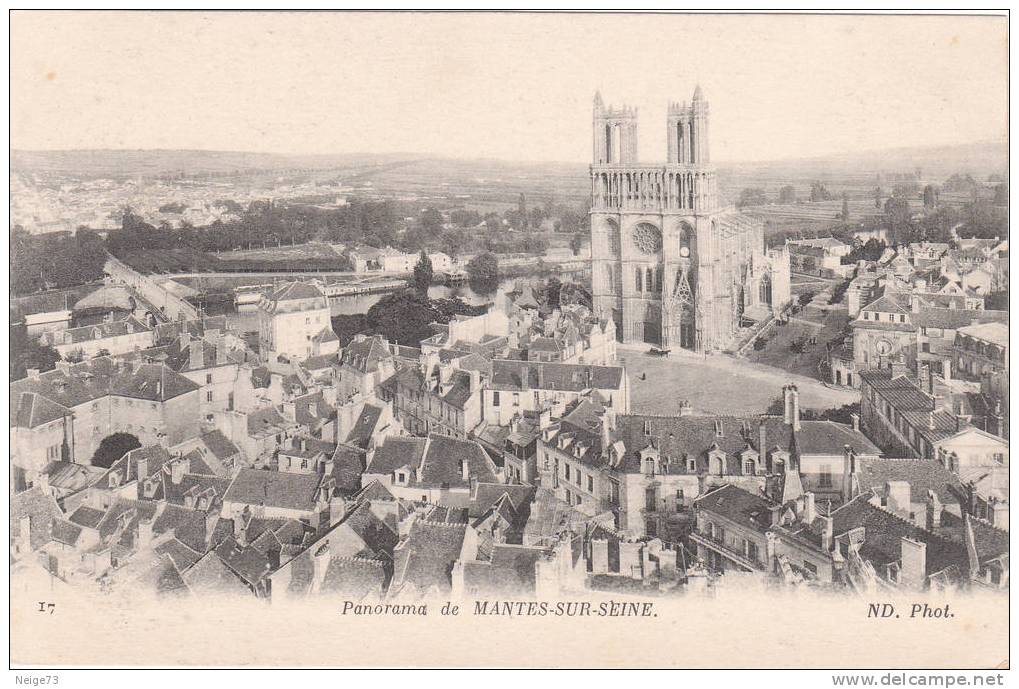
(566, 471)
(866, 316)
(516, 399)
(495, 398)
(590, 484)
(208, 378)
(825, 479)
(208, 396)
(809, 566)
(902, 318)
(999, 457)
(647, 427)
(751, 551)
(401, 477)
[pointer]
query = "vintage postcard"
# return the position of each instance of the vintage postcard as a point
(509, 340)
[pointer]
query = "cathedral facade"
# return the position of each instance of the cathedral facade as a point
(671, 266)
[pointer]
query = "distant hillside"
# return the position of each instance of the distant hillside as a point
(978, 159)
(109, 163)
(395, 169)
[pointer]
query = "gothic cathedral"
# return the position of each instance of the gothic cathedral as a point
(670, 266)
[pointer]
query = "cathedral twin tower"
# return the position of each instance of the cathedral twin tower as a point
(671, 268)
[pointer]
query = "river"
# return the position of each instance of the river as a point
(244, 319)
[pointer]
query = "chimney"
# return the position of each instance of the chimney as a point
(320, 563)
(465, 472)
(177, 470)
(826, 534)
(196, 353)
(933, 511)
(930, 419)
(25, 533)
(685, 408)
(856, 421)
(762, 443)
(141, 467)
(926, 379)
(809, 508)
(899, 499)
(914, 563)
(791, 398)
(850, 481)
(239, 529)
(144, 533)
(33, 373)
(899, 368)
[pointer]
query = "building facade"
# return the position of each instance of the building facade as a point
(669, 265)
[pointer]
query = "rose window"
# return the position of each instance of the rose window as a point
(647, 238)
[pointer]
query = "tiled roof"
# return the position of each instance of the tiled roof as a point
(953, 319)
(210, 575)
(889, 303)
(738, 505)
(348, 465)
(442, 462)
(354, 578)
(365, 355)
(268, 421)
(425, 558)
(99, 331)
(42, 511)
(995, 333)
(101, 377)
(219, 445)
(509, 375)
(923, 475)
(35, 410)
(364, 428)
(86, 516)
(883, 534)
(396, 452)
(274, 489)
(297, 290)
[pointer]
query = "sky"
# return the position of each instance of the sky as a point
(507, 86)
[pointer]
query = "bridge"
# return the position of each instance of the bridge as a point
(165, 306)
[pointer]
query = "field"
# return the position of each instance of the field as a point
(276, 253)
(717, 385)
(151, 261)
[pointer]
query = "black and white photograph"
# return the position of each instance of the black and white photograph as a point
(422, 339)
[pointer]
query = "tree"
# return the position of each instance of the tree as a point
(818, 192)
(576, 243)
(524, 219)
(787, 194)
(26, 352)
(112, 448)
(483, 268)
(877, 197)
(805, 298)
(753, 196)
(75, 356)
(423, 272)
(402, 317)
(1000, 195)
(845, 209)
(930, 197)
(997, 301)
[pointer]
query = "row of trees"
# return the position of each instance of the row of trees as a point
(54, 261)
